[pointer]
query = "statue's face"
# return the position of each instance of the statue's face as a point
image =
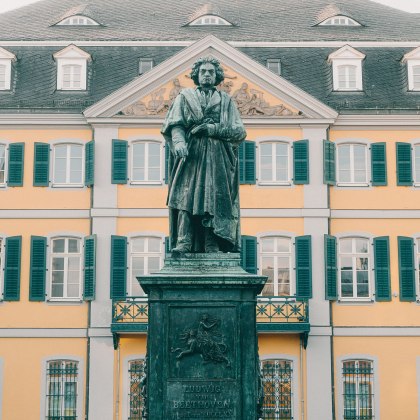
(207, 75)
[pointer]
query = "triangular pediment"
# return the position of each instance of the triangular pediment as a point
(257, 91)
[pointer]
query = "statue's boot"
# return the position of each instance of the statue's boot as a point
(184, 237)
(210, 241)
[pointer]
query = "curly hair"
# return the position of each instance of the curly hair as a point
(220, 74)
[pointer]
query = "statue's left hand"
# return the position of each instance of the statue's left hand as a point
(202, 129)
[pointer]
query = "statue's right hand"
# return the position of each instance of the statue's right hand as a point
(181, 150)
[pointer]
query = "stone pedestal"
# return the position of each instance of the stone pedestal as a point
(202, 351)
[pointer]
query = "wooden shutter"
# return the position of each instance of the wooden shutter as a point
(301, 162)
(41, 165)
(90, 163)
(329, 163)
(12, 268)
(378, 164)
(38, 269)
(303, 254)
(16, 160)
(119, 161)
(406, 269)
(118, 267)
(330, 251)
(90, 268)
(404, 165)
(249, 254)
(382, 270)
(247, 162)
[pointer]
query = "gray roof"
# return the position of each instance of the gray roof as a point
(271, 20)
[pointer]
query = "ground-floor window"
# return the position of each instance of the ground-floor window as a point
(135, 398)
(277, 382)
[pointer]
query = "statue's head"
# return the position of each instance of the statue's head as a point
(207, 72)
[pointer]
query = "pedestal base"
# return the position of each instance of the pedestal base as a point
(202, 360)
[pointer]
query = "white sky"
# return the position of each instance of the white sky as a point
(407, 5)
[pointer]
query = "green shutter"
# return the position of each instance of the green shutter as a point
(404, 169)
(16, 157)
(303, 253)
(329, 162)
(118, 267)
(330, 251)
(382, 270)
(90, 163)
(249, 254)
(90, 268)
(12, 268)
(41, 165)
(119, 161)
(378, 164)
(38, 269)
(406, 269)
(301, 162)
(247, 162)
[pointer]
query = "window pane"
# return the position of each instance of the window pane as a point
(74, 263)
(154, 264)
(138, 245)
(74, 245)
(267, 245)
(268, 270)
(345, 246)
(58, 263)
(58, 245)
(2, 163)
(283, 244)
(154, 244)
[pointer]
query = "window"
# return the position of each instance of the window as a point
(347, 79)
(418, 267)
(276, 263)
(412, 59)
(6, 59)
(68, 165)
(72, 68)
(274, 163)
(146, 257)
(3, 76)
(278, 395)
(2, 165)
(417, 164)
(1, 267)
(416, 77)
(78, 20)
(352, 164)
(135, 398)
(145, 65)
(358, 390)
(274, 66)
(354, 268)
(347, 69)
(62, 390)
(66, 269)
(339, 21)
(146, 162)
(210, 20)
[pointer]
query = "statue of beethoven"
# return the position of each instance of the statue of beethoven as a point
(203, 130)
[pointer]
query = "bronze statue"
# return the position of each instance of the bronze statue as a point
(203, 130)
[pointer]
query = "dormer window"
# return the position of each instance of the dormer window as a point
(6, 59)
(78, 20)
(71, 68)
(339, 21)
(347, 69)
(413, 68)
(210, 20)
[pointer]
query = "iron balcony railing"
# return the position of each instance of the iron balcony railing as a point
(274, 313)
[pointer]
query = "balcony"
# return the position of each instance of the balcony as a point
(274, 314)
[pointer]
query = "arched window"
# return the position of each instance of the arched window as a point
(62, 389)
(146, 256)
(277, 377)
(274, 162)
(358, 389)
(68, 165)
(210, 20)
(352, 164)
(276, 264)
(355, 269)
(146, 162)
(339, 21)
(66, 268)
(135, 398)
(78, 20)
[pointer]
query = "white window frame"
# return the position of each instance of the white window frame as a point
(371, 279)
(6, 164)
(131, 254)
(143, 62)
(126, 383)
(210, 20)
(52, 175)
(416, 182)
(273, 162)
(292, 270)
(51, 254)
(6, 58)
(353, 183)
(77, 20)
(340, 20)
(161, 160)
(80, 383)
(411, 64)
(277, 63)
(376, 385)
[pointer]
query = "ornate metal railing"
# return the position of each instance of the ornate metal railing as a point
(270, 310)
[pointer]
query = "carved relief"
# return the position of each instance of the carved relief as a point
(205, 340)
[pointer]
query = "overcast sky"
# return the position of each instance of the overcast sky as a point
(407, 5)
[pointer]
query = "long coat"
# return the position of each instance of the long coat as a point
(206, 182)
